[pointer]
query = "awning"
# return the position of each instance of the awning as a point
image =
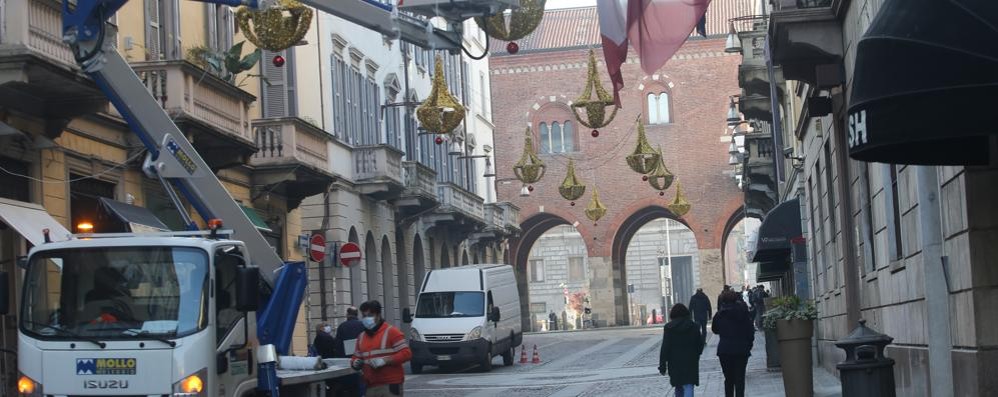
(925, 75)
(255, 218)
(771, 271)
(780, 228)
(138, 219)
(29, 220)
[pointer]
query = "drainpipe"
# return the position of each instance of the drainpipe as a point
(937, 306)
(848, 237)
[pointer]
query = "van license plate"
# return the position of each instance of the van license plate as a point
(443, 358)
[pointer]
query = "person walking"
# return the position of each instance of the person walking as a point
(759, 296)
(553, 321)
(381, 351)
(733, 324)
(680, 352)
(347, 333)
(324, 344)
(700, 306)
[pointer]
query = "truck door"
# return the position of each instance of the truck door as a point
(231, 326)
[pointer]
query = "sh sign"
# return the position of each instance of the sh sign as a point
(857, 129)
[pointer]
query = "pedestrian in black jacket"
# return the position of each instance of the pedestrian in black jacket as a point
(700, 306)
(324, 343)
(734, 325)
(680, 353)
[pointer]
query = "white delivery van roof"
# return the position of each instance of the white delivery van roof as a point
(462, 278)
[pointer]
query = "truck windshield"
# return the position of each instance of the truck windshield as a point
(450, 304)
(115, 293)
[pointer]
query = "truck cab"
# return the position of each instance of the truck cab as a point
(115, 316)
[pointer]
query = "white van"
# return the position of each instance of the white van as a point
(465, 315)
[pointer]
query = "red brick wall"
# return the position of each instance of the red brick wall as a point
(702, 78)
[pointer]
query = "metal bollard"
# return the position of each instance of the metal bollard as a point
(866, 371)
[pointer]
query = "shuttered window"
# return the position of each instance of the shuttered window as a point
(211, 26)
(154, 31)
(339, 97)
(170, 17)
(278, 87)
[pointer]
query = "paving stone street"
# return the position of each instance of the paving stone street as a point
(600, 363)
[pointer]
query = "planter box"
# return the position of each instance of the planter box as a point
(795, 351)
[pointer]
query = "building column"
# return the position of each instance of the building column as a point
(602, 296)
(937, 302)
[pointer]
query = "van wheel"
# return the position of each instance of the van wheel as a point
(416, 368)
(486, 364)
(507, 356)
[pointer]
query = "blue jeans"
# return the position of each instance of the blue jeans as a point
(684, 391)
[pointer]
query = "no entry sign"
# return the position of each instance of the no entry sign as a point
(349, 254)
(317, 248)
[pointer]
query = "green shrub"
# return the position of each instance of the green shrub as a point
(789, 308)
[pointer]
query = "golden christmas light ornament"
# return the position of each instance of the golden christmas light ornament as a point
(521, 22)
(679, 205)
(594, 100)
(571, 189)
(276, 28)
(596, 209)
(440, 113)
(644, 159)
(660, 178)
(530, 168)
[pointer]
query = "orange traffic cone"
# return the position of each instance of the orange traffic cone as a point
(537, 356)
(523, 355)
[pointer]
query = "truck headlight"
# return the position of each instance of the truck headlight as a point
(192, 386)
(475, 333)
(27, 387)
(414, 335)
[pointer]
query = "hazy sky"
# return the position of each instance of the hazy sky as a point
(568, 3)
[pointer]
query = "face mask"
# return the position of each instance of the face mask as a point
(368, 322)
(327, 329)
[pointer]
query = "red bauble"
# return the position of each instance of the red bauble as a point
(278, 60)
(438, 140)
(512, 47)
(661, 193)
(595, 133)
(530, 188)
(644, 178)
(572, 203)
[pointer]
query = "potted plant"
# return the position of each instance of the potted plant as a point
(793, 319)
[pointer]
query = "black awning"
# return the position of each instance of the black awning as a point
(780, 228)
(771, 271)
(925, 79)
(138, 219)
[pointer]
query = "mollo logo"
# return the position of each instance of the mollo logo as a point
(106, 366)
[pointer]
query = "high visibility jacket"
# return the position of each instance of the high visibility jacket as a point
(388, 343)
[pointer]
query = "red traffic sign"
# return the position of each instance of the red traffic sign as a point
(349, 254)
(317, 248)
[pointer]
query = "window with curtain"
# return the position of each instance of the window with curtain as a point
(557, 137)
(658, 108)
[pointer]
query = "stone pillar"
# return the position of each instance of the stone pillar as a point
(711, 273)
(601, 291)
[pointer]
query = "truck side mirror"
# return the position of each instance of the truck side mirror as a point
(22, 262)
(495, 314)
(247, 289)
(406, 315)
(4, 293)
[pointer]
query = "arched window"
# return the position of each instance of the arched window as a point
(569, 137)
(658, 108)
(545, 139)
(555, 130)
(556, 138)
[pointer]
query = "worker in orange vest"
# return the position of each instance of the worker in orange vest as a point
(381, 351)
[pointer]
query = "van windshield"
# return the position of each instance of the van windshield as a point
(450, 304)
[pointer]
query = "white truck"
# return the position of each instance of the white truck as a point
(182, 313)
(465, 315)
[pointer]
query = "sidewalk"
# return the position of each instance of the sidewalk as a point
(758, 381)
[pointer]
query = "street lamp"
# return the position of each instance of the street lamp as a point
(733, 116)
(456, 148)
(733, 44)
(489, 171)
(525, 191)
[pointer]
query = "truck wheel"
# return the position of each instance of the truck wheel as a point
(416, 368)
(507, 356)
(486, 364)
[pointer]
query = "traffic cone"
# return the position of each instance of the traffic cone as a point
(523, 355)
(537, 356)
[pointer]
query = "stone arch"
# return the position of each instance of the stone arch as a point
(387, 281)
(418, 263)
(371, 268)
(518, 255)
(729, 226)
(403, 269)
(356, 273)
(621, 240)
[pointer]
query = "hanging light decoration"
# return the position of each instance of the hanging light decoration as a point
(571, 189)
(679, 205)
(644, 158)
(530, 169)
(276, 28)
(521, 22)
(596, 209)
(660, 178)
(595, 107)
(440, 113)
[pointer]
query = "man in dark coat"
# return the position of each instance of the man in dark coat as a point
(324, 343)
(734, 326)
(700, 306)
(681, 349)
(346, 340)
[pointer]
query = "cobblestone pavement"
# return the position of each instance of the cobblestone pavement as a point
(607, 362)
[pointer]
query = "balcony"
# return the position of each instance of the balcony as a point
(460, 210)
(807, 40)
(293, 160)
(420, 193)
(38, 75)
(510, 218)
(378, 171)
(759, 173)
(211, 112)
(753, 76)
